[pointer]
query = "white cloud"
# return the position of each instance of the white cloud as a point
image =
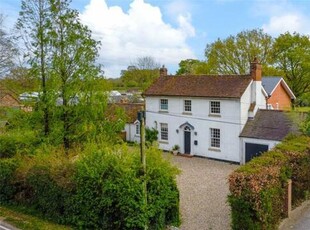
(139, 32)
(284, 17)
(287, 22)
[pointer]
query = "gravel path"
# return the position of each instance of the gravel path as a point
(203, 193)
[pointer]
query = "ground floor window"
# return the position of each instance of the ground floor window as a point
(215, 138)
(137, 128)
(164, 131)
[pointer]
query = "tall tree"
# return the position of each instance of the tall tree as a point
(74, 72)
(193, 66)
(234, 54)
(291, 53)
(8, 50)
(141, 73)
(34, 24)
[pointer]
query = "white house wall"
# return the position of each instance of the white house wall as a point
(271, 144)
(131, 133)
(229, 124)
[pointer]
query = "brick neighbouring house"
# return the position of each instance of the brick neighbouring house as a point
(280, 96)
(8, 98)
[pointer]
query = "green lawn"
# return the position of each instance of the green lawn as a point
(27, 222)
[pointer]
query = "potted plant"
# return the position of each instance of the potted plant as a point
(175, 149)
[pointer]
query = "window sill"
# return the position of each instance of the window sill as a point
(163, 142)
(214, 149)
(187, 113)
(163, 111)
(214, 115)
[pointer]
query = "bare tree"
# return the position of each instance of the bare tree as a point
(8, 51)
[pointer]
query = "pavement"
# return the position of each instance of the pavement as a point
(299, 218)
(6, 226)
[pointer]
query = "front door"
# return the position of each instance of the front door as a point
(187, 140)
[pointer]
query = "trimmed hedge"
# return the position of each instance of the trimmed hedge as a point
(258, 189)
(98, 189)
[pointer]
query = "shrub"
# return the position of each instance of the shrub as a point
(20, 141)
(7, 169)
(257, 189)
(102, 188)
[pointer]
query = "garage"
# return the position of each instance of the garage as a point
(253, 150)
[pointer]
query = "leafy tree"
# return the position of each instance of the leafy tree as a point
(21, 80)
(33, 24)
(193, 66)
(234, 54)
(8, 50)
(75, 74)
(291, 53)
(141, 73)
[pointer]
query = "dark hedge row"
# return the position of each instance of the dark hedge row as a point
(258, 189)
(99, 189)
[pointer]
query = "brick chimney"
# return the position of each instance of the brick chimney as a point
(163, 71)
(257, 100)
(256, 70)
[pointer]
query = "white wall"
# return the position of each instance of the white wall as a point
(131, 133)
(271, 144)
(229, 123)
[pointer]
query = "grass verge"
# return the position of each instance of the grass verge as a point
(27, 222)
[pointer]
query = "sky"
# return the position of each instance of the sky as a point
(173, 30)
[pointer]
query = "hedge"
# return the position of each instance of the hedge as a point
(101, 188)
(258, 189)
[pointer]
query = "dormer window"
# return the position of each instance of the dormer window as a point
(164, 104)
(215, 107)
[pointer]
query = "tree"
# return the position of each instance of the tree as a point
(21, 80)
(75, 74)
(33, 24)
(141, 73)
(193, 66)
(234, 54)
(291, 53)
(8, 50)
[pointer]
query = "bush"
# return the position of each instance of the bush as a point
(7, 169)
(257, 189)
(13, 142)
(99, 189)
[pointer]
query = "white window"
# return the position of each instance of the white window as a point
(137, 128)
(215, 107)
(215, 138)
(164, 131)
(187, 106)
(164, 104)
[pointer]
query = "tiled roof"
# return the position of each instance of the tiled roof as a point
(269, 125)
(131, 110)
(4, 91)
(269, 83)
(223, 86)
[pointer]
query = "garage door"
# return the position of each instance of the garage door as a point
(254, 150)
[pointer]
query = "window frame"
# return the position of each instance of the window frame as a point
(213, 107)
(186, 106)
(163, 106)
(137, 129)
(215, 138)
(164, 132)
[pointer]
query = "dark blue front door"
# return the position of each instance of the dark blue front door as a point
(187, 142)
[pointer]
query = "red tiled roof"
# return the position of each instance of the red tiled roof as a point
(130, 109)
(223, 86)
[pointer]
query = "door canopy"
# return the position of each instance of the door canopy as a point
(185, 125)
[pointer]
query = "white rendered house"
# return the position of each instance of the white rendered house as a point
(205, 114)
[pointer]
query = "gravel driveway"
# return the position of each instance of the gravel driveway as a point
(203, 193)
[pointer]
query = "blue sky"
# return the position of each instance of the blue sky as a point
(173, 30)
